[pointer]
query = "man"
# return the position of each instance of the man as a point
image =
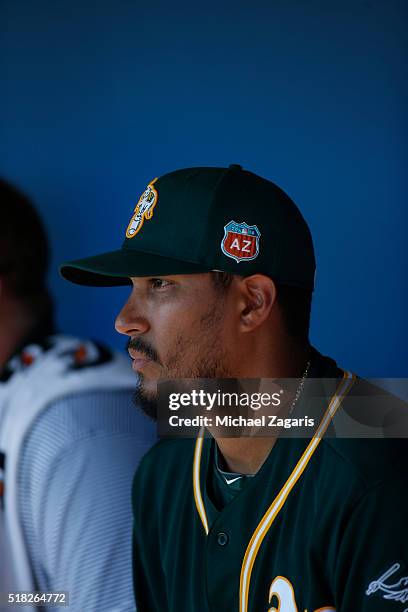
(70, 439)
(222, 272)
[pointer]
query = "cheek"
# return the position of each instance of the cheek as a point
(183, 342)
(183, 333)
(170, 332)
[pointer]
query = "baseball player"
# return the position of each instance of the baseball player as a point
(70, 441)
(222, 272)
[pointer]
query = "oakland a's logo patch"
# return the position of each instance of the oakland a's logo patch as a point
(144, 210)
(241, 241)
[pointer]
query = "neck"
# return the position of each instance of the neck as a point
(246, 455)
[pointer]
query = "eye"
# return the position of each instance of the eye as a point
(159, 283)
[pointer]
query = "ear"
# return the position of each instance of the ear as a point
(257, 298)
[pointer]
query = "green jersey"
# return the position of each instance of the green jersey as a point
(321, 526)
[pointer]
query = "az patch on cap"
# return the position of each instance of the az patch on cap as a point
(241, 241)
(144, 210)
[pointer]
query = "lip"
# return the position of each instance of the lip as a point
(139, 361)
(139, 364)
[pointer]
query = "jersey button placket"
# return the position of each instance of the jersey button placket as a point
(222, 538)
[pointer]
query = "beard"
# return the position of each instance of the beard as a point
(145, 401)
(199, 355)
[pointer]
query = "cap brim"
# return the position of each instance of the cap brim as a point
(115, 268)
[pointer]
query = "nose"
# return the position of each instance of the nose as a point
(129, 321)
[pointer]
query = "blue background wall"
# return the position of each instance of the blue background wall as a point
(100, 97)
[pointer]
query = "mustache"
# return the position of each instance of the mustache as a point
(141, 346)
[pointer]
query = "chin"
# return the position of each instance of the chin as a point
(145, 397)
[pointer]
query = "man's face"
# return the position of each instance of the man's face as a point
(176, 328)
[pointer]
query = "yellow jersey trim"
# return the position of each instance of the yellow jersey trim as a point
(273, 510)
(196, 481)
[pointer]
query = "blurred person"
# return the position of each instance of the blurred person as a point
(70, 438)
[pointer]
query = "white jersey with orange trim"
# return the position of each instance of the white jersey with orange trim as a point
(67, 422)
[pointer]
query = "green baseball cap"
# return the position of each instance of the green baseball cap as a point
(203, 219)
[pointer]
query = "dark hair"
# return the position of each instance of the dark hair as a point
(24, 252)
(295, 304)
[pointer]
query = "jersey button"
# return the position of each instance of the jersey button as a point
(222, 538)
